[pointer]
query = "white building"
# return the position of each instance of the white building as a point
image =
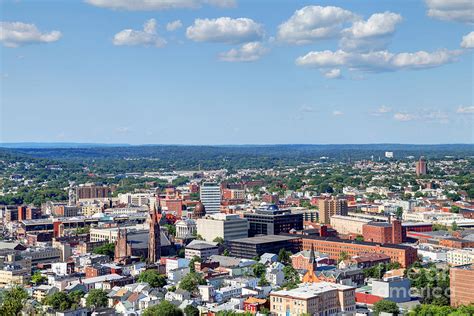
(137, 199)
(227, 226)
(459, 257)
(210, 194)
(185, 229)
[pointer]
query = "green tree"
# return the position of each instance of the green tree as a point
(192, 267)
(191, 281)
(97, 298)
(165, 308)
(171, 229)
(386, 306)
(343, 256)
(13, 301)
(258, 269)
(263, 281)
(37, 278)
(454, 226)
(359, 238)
(284, 256)
(191, 310)
(107, 249)
(219, 240)
(152, 277)
(58, 301)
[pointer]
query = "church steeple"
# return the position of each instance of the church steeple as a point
(154, 243)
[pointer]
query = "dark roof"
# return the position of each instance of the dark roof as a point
(265, 239)
(355, 242)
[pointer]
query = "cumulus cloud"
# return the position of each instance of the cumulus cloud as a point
(173, 26)
(465, 110)
(14, 34)
(468, 41)
(247, 52)
(451, 10)
(372, 34)
(403, 117)
(225, 30)
(147, 37)
(337, 113)
(155, 5)
(376, 61)
(312, 23)
(333, 73)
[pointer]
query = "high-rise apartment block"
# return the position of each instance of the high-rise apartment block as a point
(331, 207)
(92, 191)
(421, 168)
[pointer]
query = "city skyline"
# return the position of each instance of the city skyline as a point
(237, 72)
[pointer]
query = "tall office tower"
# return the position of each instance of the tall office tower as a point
(154, 242)
(211, 197)
(421, 168)
(331, 207)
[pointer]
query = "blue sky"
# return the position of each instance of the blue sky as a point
(237, 72)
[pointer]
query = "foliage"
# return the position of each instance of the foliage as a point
(171, 229)
(292, 278)
(258, 269)
(191, 310)
(232, 313)
(431, 283)
(386, 306)
(377, 271)
(343, 256)
(61, 301)
(37, 278)
(13, 301)
(192, 267)
(165, 308)
(284, 256)
(219, 240)
(97, 298)
(263, 281)
(191, 281)
(429, 310)
(107, 249)
(152, 277)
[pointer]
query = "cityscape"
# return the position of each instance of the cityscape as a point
(236, 157)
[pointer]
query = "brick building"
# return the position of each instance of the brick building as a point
(405, 255)
(385, 233)
(461, 281)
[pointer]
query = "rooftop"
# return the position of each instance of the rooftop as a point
(265, 239)
(307, 291)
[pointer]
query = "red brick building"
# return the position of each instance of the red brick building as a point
(385, 233)
(405, 255)
(461, 285)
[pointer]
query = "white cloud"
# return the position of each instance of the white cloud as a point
(337, 113)
(468, 41)
(154, 5)
(247, 52)
(465, 110)
(173, 26)
(376, 61)
(14, 34)
(379, 24)
(372, 34)
(147, 37)
(306, 109)
(312, 23)
(381, 110)
(404, 117)
(451, 10)
(333, 73)
(225, 30)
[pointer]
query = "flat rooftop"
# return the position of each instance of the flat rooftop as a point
(265, 239)
(307, 291)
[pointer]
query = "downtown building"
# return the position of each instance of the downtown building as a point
(210, 196)
(272, 221)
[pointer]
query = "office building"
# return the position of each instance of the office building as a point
(384, 233)
(348, 225)
(272, 221)
(211, 197)
(321, 298)
(461, 283)
(227, 226)
(331, 207)
(256, 246)
(92, 191)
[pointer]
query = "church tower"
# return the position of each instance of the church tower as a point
(154, 243)
(121, 246)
